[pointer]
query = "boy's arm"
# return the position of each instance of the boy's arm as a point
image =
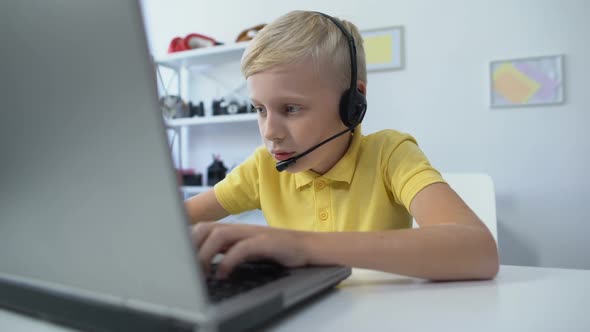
(451, 244)
(238, 190)
(204, 207)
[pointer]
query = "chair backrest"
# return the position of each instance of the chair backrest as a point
(477, 190)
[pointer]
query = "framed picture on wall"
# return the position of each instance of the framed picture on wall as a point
(384, 48)
(527, 81)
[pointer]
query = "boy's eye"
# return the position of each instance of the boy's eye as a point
(258, 109)
(292, 109)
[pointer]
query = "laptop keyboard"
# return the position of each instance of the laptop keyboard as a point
(244, 277)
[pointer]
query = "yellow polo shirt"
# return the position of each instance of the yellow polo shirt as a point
(370, 188)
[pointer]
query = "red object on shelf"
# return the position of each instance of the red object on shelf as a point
(185, 171)
(176, 45)
(191, 41)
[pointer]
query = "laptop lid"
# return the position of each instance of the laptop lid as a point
(86, 178)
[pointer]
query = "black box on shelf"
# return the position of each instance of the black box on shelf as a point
(188, 177)
(216, 171)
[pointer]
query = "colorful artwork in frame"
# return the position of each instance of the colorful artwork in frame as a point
(527, 81)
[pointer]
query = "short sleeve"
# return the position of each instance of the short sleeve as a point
(239, 190)
(409, 171)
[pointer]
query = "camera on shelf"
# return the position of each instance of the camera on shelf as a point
(196, 109)
(229, 106)
(174, 107)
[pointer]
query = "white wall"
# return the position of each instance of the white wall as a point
(537, 156)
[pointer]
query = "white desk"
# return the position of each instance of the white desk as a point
(519, 299)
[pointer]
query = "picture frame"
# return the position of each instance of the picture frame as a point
(384, 48)
(529, 81)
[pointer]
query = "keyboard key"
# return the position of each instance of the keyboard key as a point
(243, 278)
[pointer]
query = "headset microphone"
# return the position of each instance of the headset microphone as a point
(284, 164)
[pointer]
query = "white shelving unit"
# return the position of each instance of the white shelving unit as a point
(203, 57)
(193, 62)
(207, 120)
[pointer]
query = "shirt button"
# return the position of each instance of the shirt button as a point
(324, 214)
(319, 185)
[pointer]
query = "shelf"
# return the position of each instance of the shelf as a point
(203, 57)
(214, 119)
(193, 190)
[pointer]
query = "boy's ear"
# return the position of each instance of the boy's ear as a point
(362, 87)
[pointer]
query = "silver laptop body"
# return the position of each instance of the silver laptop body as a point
(93, 232)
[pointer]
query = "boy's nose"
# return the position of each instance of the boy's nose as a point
(273, 128)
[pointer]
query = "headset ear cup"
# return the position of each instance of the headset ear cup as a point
(360, 106)
(352, 108)
(345, 112)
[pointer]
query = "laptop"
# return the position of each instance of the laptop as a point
(93, 232)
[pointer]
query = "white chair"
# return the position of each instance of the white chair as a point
(477, 190)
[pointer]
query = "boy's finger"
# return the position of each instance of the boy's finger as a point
(218, 240)
(200, 232)
(245, 250)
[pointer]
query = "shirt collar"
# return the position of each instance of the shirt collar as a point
(344, 168)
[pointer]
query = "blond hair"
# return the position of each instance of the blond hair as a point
(299, 35)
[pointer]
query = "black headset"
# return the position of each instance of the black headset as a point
(353, 104)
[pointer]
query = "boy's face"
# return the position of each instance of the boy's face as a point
(297, 109)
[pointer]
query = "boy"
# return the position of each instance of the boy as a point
(343, 198)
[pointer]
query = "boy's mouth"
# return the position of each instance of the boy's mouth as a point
(282, 155)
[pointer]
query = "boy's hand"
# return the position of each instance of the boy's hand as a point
(247, 242)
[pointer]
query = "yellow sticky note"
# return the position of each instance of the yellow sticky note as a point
(378, 49)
